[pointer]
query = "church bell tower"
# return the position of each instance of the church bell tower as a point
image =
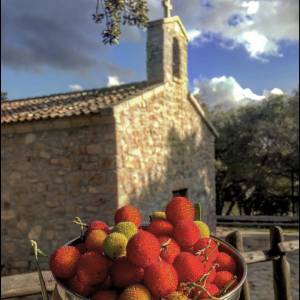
(167, 48)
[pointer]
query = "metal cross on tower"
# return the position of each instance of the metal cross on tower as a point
(168, 8)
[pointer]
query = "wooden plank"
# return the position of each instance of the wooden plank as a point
(252, 257)
(256, 224)
(288, 246)
(56, 295)
(281, 267)
(25, 284)
(236, 240)
(264, 219)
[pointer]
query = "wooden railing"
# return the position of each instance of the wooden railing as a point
(277, 254)
(258, 221)
(28, 284)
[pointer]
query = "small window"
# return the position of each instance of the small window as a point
(176, 58)
(182, 193)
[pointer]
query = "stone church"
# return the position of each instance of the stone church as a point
(86, 153)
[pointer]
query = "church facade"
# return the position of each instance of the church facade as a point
(87, 153)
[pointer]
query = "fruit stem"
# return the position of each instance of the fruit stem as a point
(212, 251)
(78, 221)
(166, 244)
(207, 255)
(36, 250)
(228, 286)
(205, 276)
(204, 290)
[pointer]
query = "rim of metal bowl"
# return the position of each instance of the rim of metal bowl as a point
(243, 265)
(231, 293)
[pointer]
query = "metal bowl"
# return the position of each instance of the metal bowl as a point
(234, 294)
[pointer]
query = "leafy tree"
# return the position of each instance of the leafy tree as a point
(115, 13)
(4, 96)
(257, 155)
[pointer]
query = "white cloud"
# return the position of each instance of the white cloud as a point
(113, 81)
(75, 87)
(273, 92)
(226, 91)
(193, 34)
(252, 7)
(276, 91)
(258, 26)
(257, 44)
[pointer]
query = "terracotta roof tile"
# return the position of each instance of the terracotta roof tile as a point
(69, 104)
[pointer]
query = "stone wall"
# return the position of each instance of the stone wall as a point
(164, 145)
(49, 176)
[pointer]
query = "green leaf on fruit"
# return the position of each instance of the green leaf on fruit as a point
(198, 212)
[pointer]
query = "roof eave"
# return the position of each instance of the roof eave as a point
(203, 115)
(146, 94)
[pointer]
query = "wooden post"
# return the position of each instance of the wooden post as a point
(281, 266)
(236, 240)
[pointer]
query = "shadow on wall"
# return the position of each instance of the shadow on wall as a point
(188, 164)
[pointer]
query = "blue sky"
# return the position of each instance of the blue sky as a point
(281, 72)
(238, 48)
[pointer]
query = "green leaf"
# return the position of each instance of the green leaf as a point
(198, 212)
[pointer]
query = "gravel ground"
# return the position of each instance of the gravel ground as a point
(260, 274)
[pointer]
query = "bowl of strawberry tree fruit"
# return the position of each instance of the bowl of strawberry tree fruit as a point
(173, 257)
